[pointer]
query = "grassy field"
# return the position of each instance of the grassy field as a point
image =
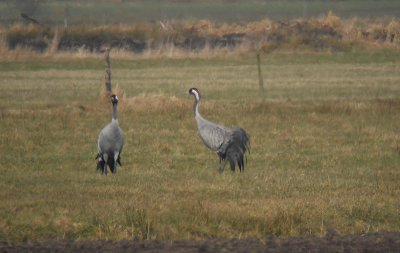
(325, 147)
(109, 12)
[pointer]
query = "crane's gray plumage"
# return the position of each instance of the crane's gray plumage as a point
(110, 142)
(230, 144)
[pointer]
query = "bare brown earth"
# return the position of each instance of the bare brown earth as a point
(332, 242)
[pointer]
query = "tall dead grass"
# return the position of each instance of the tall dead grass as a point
(200, 38)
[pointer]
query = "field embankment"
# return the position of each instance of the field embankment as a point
(204, 37)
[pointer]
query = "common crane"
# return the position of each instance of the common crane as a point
(230, 144)
(110, 142)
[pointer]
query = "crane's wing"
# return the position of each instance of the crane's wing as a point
(213, 135)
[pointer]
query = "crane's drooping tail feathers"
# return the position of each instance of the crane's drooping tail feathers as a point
(235, 149)
(101, 164)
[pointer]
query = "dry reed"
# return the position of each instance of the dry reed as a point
(202, 38)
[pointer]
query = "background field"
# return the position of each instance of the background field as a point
(95, 12)
(325, 147)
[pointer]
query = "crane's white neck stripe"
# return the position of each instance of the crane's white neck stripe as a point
(196, 94)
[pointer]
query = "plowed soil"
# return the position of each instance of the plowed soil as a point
(332, 242)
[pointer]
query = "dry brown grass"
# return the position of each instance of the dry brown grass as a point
(324, 147)
(169, 38)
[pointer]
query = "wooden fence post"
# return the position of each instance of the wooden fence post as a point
(260, 78)
(107, 71)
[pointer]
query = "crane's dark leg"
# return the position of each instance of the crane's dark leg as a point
(114, 163)
(222, 168)
(106, 164)
(221, 157)
(232, 163)
(241, 164)
(100, 166)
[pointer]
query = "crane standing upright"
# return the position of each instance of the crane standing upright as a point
(230, 144)
(110, 142)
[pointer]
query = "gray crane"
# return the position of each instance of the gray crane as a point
(110, 142)
(230, 144)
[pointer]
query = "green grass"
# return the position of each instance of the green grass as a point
(108, 12)
(325, 148)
